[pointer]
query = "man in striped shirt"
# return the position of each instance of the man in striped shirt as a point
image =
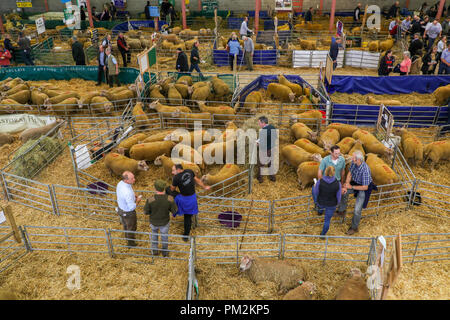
(358, 180)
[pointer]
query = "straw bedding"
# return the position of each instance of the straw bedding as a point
(410, 99)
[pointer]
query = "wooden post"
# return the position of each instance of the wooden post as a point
(183, 13)
(364, 19)
(91, 19)
(156, 21)
(2, 28)
(333, 9)
(10, 218)
(257, 8)
(46, 5)
(276, 32)
(440, 10)
(320, 7)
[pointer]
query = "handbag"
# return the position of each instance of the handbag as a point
(396, 69)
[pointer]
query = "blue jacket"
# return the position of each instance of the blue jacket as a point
(235, 47)
(334, 49)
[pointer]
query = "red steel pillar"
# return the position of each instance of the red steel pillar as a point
(441, 9)
(333, 10)
(257, 8)
(91, 20)
(183, 13)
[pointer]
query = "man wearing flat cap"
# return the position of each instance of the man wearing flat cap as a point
(158, 208)
(182, 61)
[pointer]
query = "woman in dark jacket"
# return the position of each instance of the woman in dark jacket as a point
(327, 194)
(386, 64)
(430, 61)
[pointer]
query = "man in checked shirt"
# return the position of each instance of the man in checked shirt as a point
(358, 180)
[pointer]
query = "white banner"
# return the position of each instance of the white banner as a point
(13, 123)
(40, 25)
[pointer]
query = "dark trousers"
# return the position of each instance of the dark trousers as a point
(80, 63)
(187, 224)
(443, 68)
(197, 68)
(26, 57)
(102, 75)
(261, 165)
(113, 78)
(125, 57)
(129, 222)
(248, 60)
(231, 61)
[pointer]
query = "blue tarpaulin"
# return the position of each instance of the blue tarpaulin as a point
(264, 57)
(368, 114)
(136, 25)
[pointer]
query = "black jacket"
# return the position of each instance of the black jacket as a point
(416, 27)
(265, 137)
(384, 64)
(414, 46)
(78, 53)
(425, 60)
(393, 11)
(194, 53)
(147, 12)
(356, 14)
(104, 59)
(182, 62)
(308, 16)
(334, 50)
(8, 45)
(82, 15)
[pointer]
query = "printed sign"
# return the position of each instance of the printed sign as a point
(385, 120)
(14, 123)
(40, 25)
(24, 4)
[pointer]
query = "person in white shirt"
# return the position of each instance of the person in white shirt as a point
(127, 202)
(245, 31)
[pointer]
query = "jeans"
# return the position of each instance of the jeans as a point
(164, 230)
(329, 211)
(430, 43)
(443, 68)
(197, 68)
(358, 206)
(26, 57)
(124, 57)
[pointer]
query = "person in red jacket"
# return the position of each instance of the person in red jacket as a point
(5, 57)
(123, 48)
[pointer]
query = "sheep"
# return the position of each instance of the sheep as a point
(157, 136)
(296, 88)
(60, 98)
(125, 145)
(328, 138)
(36, 133)
(306, 172)
(220, 113)
(118, 164)
(173, 96)
(181, 135)
(382, 174)
(346, 144)
(311, 147)
(50, 92)
(357, 146)
(190, 43)
(202, 93)
(150, 150)
(10, 84)
(123, 95)
(6, 138)
(155, 92)
(171, 38)
(301, 130)
(412, 147)
(304, 291)
(354, 288)
(208, 151)
(371, 143)
(188, 119)
(9, 106)
(176, 30)
(252, 101)
(186, 80)
(37, 97)
(199, 84)
(280, 91)
(141, 117)
(225, 173)
(436, 151)
(66, 106)
(168, 109)
(22, 96)
(101, 105)
(373, 45)
(386, 45)
(220, 87)
(134, 43)
(308, 44)
(295, 155)
(283, 273)
(313, 115)
(345, 130)
(441, 95)
(387, 102)
(167, 164)
(20, 87)
(184, 90)
(188, 154)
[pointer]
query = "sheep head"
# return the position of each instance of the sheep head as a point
(246, 263)
(153, 104)
(205, 178)
(313, 136)
(292, 97)
(158, 160)
(355, 273)
(316, 157)
(190, 89)
(142, 166)
(121, 151)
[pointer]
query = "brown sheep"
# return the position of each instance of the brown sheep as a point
(220, 87)
(280, 91)
(22, 96)
(168, 109)
(180, 135)
(382, 174)
(208, 151)
(142, 120)
(201, 93)
(188, 154)
(20, 87)
(387, 102)
(36, 133)
(168, 163)
(306, 172)
(118, 164)
(346, 144)
(354, 288)
(186, 80)
(311, 147)
(436, 151)
(155, 93)
(305, 291)
(65, 107)
(314, 115)
(60, 98)
(37, 97)
(328, 138)
(301, 130)
(252, 101)
(188, 119)
(296, 88)
(11, 106)
(345, 130)
(295, 155)
(357, 146)
(101, 105)
(284, 274)
(441, 95)
(371, 143)
(173, 96)
(220, 113)
(225, 173)
(151, 150)
(125, 145)
(184, 90)
(412, 147)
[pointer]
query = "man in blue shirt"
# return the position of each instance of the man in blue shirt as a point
(334, 50)
(444, 65)
(358, 181)
(126, 203)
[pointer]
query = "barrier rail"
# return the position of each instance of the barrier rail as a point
(10, 250)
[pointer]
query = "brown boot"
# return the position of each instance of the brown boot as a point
(351, 231)
(260, 179)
